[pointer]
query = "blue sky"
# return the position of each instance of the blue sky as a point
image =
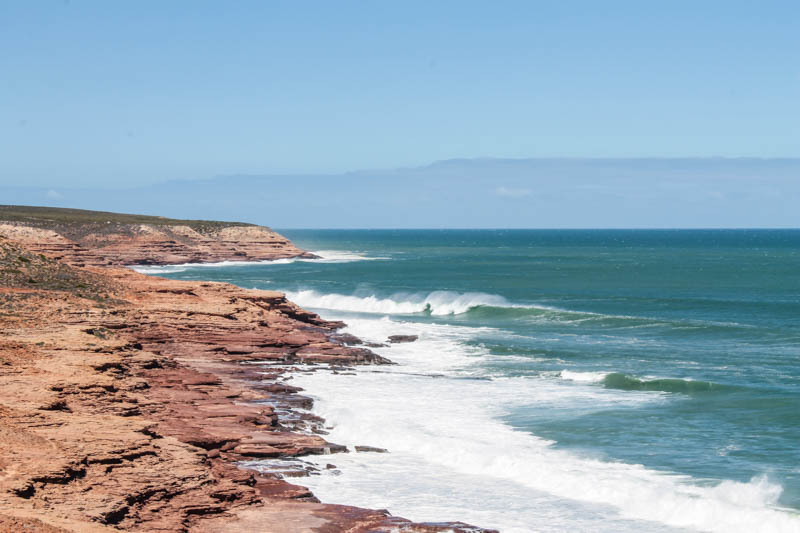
(117, 94)
(474, 193)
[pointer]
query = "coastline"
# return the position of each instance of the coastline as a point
(468, 428)
(128, 402)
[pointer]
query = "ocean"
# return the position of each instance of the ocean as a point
(563, 380)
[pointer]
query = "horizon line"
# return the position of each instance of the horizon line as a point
(708, 228)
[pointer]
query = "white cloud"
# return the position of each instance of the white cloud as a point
(511, 192)
(53, 195)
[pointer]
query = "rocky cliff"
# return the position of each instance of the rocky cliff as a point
(130, 403)
(97, 238)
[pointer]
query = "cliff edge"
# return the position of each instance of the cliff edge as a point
(131, 403)
(97, 238)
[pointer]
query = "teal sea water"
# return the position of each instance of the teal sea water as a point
(599, 380)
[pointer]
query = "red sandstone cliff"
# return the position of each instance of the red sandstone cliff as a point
(100, 239)
(126, 402)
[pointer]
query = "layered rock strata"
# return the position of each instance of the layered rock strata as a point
(95, 238)
(129, 403)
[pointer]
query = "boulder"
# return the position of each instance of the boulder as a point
(402, 338)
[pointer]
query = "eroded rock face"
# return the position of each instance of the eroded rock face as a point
(144, 244)
(131, 410)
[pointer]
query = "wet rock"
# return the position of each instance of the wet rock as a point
(402, 338)
(346, 339)
(371, 449)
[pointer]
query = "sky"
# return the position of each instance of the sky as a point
(124, 94)
(475, 193)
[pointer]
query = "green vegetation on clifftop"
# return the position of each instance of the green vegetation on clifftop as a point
(22, 269)
(50, 217)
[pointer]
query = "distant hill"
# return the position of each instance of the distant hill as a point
(475, 193)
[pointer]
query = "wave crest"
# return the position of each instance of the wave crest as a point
(435, 303)
(323, 256)
(617, 380)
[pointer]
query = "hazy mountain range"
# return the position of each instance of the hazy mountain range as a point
(473, 193)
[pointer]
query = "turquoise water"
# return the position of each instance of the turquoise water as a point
(675, 350)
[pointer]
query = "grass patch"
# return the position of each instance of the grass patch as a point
(21, 269)
(55, 216)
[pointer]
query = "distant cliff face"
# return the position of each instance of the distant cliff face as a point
(101, 239)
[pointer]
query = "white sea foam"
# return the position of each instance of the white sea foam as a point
(324, 256)
(341, 256)
(583, 377)
(437, 302)
(452, 457)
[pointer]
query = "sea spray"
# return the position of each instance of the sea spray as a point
(453, 427)
(714, 311)
(434, 303)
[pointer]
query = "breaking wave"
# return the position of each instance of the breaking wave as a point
(583, 377)
(616, 380)
(323, 256)
(486, 472)
(485, 307)
(435, 303)
(620, 381)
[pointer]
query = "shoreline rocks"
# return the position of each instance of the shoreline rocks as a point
(396, 339)
(128, 402)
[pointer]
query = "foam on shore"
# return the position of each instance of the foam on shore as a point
(452, 457)
(324, 256)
